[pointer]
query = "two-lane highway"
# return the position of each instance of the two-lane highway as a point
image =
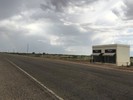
(78, 82)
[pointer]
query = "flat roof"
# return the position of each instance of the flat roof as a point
(114, 45)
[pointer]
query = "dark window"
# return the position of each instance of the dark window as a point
(96, 51)
(110, 51)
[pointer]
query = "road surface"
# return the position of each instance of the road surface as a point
(14, 85)
(76, 81)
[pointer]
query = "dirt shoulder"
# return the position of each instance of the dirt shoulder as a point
(85, 62)
(99, 65)
(107, 66)
(14, 85)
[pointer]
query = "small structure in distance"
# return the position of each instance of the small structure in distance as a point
(118, 54)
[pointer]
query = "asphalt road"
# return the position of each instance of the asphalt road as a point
(15, 85)
(78, 82)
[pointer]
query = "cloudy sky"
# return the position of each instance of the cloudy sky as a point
(64, 26)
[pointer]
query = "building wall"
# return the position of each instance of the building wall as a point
(123, 55)
(103, 47)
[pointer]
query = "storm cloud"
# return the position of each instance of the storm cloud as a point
(64, 26)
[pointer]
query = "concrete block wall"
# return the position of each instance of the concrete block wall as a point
(123, 55)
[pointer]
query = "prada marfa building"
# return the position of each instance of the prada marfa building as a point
(117, 54)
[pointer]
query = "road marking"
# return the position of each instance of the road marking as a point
(49, 90)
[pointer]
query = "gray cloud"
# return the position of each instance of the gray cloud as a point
(61, 26)
(129, 10)
(60, 5)
(9, 8)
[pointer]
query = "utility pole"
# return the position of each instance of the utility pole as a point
(27, 48)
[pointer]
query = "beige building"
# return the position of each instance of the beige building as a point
(117, 54)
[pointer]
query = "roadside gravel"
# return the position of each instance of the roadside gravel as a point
(14, 85)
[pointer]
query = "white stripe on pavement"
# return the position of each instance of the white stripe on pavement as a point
(49, 90)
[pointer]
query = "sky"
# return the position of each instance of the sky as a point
(64, 26)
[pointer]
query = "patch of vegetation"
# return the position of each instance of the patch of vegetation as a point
(57, 56)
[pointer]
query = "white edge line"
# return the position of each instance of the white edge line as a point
(49, 90)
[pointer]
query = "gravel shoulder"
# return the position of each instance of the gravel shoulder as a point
(98, 65)
(14, 85)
